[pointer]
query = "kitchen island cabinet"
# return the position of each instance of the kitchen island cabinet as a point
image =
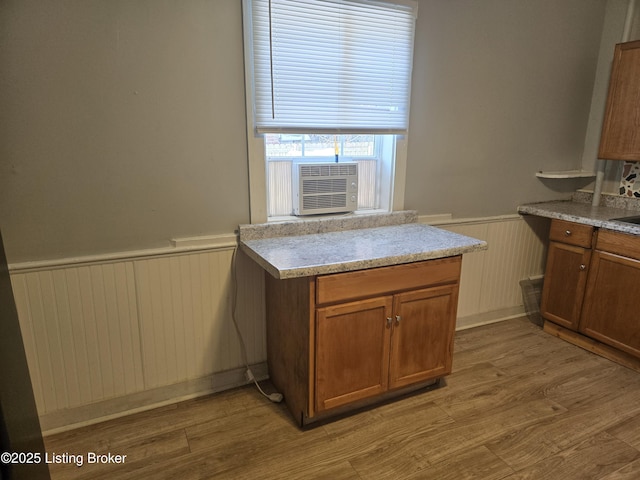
(331, 348)
(352, 326)
(367, 347)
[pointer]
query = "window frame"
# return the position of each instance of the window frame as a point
(256, 153)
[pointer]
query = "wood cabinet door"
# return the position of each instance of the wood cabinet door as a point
(610, 312)
(352, 351)
(422, 335)
(564, 284)
(620, 138)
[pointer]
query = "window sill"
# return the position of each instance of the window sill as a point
(325, 224)
(306, 218)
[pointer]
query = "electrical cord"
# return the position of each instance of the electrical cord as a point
(274, 397)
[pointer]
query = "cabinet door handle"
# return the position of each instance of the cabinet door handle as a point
(567, 233)
(389, 321)
(583, 267)
(398, 318)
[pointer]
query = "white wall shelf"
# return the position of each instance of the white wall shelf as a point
(566, 174)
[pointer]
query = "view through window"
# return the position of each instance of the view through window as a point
(370, 152)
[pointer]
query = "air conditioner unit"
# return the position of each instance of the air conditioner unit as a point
(324, 187)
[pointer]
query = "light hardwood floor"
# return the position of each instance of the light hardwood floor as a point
(520, 404)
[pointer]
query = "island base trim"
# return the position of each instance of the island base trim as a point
(592, 346)
(371, 402)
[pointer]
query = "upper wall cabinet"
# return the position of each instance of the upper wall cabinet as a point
(620, 138)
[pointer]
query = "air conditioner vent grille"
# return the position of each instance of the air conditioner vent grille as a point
(315, 202)
(328, 170)
(325, 188)
(329, 185)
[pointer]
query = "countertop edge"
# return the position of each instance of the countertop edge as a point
(552, 210)
(273, 271)
(314, 270)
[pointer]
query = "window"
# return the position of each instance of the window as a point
(326, 77)
(367, 150)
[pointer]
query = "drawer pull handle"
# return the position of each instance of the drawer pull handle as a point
(568, 233)
(398, 318)
(583, 267)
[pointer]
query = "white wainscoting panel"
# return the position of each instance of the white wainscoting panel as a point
(490, 280)
(185, 305)
(108, 331)
(80, 330)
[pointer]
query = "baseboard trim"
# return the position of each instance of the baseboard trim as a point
(487, 318)
(72, 418)
(593, 346)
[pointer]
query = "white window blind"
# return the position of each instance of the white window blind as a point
(332, 66)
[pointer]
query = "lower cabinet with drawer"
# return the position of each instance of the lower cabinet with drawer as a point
(565, 277)
(341, 341)
(590, 296)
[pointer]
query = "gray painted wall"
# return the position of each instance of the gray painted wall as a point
(122, 122)
(501, 89)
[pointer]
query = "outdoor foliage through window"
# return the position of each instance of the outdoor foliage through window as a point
(319, 147)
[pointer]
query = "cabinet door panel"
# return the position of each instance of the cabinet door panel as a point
(564, 282)
(422, 335)
(352, 351)
(610, 313)
(620, 138)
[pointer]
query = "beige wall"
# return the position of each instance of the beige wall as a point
(122, 122)
(501, 89)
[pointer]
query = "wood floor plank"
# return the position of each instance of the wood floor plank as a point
(541, 354)
(578, 461)
(611, 380)
(481, 398)
(509, 348)
(628, 431)
(519, 404)
(469, 376)
(391, 420)
(431, 447)
(112, 433)
(257, 437)
(139, 456)
(361, 435)
(292, 468)
(476, 463)
(531, 444)
(630, 471)
(489, 335)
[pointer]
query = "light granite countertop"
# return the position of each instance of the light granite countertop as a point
(310, 254)
(584, 213)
